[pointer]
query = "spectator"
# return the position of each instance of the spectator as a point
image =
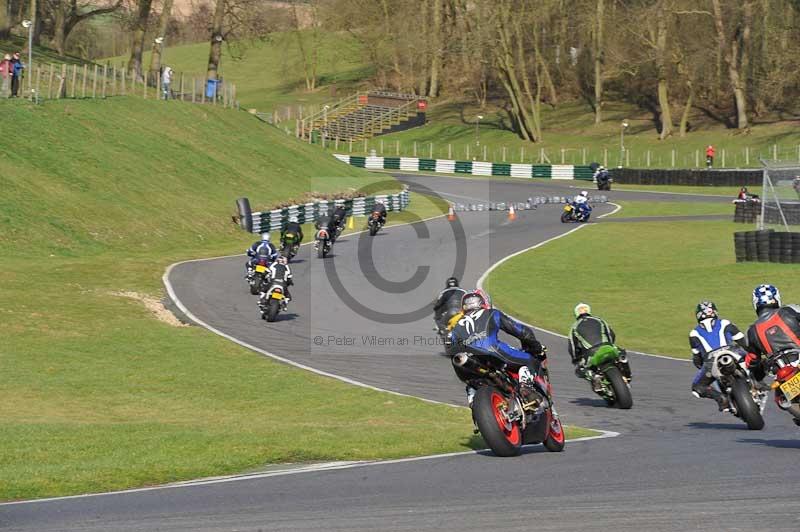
(710, 156)
(5, 75)
(166, 79)
(16, 74)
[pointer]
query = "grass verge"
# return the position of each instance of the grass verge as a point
(644, 278)
(632, 209)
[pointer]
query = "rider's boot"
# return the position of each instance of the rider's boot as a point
(526, 386)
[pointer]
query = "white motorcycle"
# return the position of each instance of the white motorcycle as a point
(747, 400)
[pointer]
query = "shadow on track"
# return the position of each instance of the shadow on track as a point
(716, 426)
(779, 444)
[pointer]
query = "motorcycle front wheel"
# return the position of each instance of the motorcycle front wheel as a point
(555, 436)
(564, 217)
(503, 437)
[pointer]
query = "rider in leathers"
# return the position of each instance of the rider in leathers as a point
(280, 271)
(776, 329)
(587, 334)
(477, 330)
(711, 333)
(448, 304)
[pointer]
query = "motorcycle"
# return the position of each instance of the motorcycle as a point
(610, 374)
(505, 418)
(374, 223)
(290, 245)
(256, 274)
(785, 365)
(572, 214)
(323, 243)
(273, 300)
(603, 180)
(733, 379)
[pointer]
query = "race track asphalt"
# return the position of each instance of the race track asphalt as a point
(678, 464)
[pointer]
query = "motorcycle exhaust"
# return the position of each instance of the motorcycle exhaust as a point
(727, 365)
(463, 360)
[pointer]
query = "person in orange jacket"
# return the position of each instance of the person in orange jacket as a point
(710, 156)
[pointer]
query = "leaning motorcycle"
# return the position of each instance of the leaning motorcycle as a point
(289, 245)
(505, 419)
(610, 374)
(323, 243)
(571, 214)
(374, 223)
(256, 274)
(733, 378)
(273, 300)
(603, 180)
(785, 365)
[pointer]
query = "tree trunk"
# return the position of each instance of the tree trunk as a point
(137, 42)
(163, 22)
(687, 109)
(662, 70)
(5, 20)
(34, 12)
(436, 56)
(59, 26)
(387, 29)
(599, 57)
(215, 52)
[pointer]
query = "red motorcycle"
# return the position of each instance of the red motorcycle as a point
(506, 418)
(785, 365)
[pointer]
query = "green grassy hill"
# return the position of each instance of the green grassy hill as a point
(100, 390)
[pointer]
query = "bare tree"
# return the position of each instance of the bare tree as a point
(163, 21)
(734, 41)
(137, 41)
(598, 55)
(217, 36)
(68, 14)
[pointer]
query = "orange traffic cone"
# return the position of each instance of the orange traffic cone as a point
(512, 214)
(451, 214)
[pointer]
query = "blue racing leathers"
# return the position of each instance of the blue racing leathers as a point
(476, 332)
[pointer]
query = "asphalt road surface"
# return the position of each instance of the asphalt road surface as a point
(363, 314)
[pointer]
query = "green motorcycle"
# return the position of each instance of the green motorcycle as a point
(610, 375)
(290, 245)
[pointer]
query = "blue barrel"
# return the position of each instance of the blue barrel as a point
(211, 88)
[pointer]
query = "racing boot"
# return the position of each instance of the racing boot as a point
(528, 392)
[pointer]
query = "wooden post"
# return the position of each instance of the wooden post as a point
(159, 94)
(38, 81)
(181, 87)
(337, 143)
(105, 80)
(431, 151)
(62, 84)
(467, 152)
(113, 80)
(563, 155)
(124, 75)
(144, 85)
(94, 82)
(723, 157)
(673, 158)
(697, 158)
(351, 142)
(583, 159)
(504, 154)
(605, 157)
(381, 147)
(775, 151)
(50, 82)
(74, 79)
(484, 152)
(83, 83)
(522, 154)
(747, 155)
(628, 158)
(202, 92)
(366, 147)
(449, 151)
(415, 148)
(648, 158)
(194, 88)
(397, 148)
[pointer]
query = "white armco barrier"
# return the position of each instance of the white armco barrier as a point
(445, 166)
(562, 171)
(374, 163)
(521, 170)
(409, 164)
(481, 168)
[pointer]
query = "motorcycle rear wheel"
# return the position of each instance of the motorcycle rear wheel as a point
(502, 437)
(747, 408)
(564, 217)
(622, 392)
(255, 284)
(272, 310)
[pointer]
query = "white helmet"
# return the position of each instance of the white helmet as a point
(584, 194)
(293, 219)
(265, 236)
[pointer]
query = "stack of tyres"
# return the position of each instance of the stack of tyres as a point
(795, 247)
(762, 245)
(750, 246)
(775, 241)
(786, 248)
(738, 213)
(740, 245)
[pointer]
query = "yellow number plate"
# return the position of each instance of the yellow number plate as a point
(791, 388)
(261, 269)
(276, 295)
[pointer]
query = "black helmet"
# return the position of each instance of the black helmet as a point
(451, 282)
(705, 310)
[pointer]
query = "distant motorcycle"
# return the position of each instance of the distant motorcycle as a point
(323, 243)
(603, 179)
(747, 401)
(573, 214)
(374, 223)
(290, 245)
(504, 418)
(273, 300)
(785, 365)
(610, 375)
(256, 274)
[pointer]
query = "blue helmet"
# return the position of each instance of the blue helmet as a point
(766, 295)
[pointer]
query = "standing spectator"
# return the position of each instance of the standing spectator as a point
(5, 75)
(166, 79)
(709, 156)
(16, 74)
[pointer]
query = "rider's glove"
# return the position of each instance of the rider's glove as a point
(751, 360)
(697, 359)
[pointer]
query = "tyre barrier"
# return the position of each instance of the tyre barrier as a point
(705, 178)
(531, 204)
(767, 246)
(747, 212)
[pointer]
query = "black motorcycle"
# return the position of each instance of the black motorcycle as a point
(603, 180)
(257, 272)
(375, 223)
(290, 245)
(273, 300)
(323, 243)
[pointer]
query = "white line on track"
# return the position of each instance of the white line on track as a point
(313, 468)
